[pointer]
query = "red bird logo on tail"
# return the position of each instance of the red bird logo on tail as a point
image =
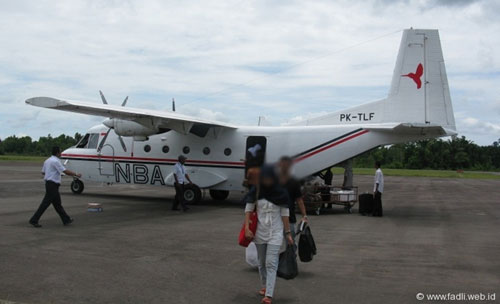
(417, 75)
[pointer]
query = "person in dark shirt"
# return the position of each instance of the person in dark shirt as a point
(294, 191)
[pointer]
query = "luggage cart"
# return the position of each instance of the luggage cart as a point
(324, 197)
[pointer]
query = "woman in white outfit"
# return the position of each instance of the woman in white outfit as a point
(272, 212)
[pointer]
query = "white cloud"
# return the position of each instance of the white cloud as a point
(201, 52)
(475, 125)
(302, 117)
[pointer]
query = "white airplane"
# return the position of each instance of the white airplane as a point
(138, 146)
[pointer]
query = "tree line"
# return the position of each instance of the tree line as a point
(25, 145)
(439, 154)
(452, 154)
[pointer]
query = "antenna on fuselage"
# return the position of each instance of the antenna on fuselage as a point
(173, 104)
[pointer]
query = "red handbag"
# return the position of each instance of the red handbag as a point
(252, 225)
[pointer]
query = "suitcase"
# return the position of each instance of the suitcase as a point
(365, 203)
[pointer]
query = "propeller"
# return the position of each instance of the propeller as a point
(110, 123)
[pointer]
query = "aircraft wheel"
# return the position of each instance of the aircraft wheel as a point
(219, 195)
(77, 186)
(192, 194)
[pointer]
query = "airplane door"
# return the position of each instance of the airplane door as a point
(255, 151)
(106, 160)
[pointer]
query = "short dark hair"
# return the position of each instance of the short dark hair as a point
(286, 159)
(56, 150)
(377, 164)
(181, 157)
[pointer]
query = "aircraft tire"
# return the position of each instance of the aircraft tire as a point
(77, 186)
(218, 195)
(192, 194)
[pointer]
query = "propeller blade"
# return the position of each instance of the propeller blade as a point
(104, 101)
(125, 101)
(101, 144)
(123, 143)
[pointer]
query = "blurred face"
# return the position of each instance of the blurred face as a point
(285, 166)
(182, 161)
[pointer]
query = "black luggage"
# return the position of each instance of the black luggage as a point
(365, 203)
(287, 267)
(307, 246)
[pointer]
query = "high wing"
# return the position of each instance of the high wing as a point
(149, 118)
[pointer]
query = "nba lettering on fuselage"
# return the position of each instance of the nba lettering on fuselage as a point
(138, 174)
(357, 116)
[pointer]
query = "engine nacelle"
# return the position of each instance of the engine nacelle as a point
(131, 128)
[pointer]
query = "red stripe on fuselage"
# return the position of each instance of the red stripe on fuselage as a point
(152, 159)
(301, 158)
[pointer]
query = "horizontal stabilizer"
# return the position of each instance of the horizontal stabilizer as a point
(412, 129)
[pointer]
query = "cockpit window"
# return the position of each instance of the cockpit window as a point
(94, 138)
(83, 142)
(89, 141)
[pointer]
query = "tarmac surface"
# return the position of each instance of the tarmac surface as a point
(437, 236)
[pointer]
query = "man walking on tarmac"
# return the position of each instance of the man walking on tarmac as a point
(180, 176)
(52, 170)
(378, 189)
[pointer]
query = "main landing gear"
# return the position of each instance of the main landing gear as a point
(192, 194)
(77, 186)
(219, 195)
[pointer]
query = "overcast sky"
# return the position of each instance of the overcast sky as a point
(236, 60)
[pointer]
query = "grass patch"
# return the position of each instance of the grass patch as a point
(22, 158)
(422, 173)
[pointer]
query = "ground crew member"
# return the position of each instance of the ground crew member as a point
(181, 177)
(378, 189)
(52, 170)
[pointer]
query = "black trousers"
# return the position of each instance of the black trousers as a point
(179, 197)
(53, 197)
(377, 204)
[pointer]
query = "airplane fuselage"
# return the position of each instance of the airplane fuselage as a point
(217, 160)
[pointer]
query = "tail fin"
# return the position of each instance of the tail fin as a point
(419, 92)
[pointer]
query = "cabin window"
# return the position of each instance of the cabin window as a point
(185, 150)
(206, 150)
(165, 149)
(147, 148)
(227, 151)
(89, 141)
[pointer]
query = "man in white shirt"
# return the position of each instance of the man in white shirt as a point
(378, 189)
(52, 170)
(181, 177)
